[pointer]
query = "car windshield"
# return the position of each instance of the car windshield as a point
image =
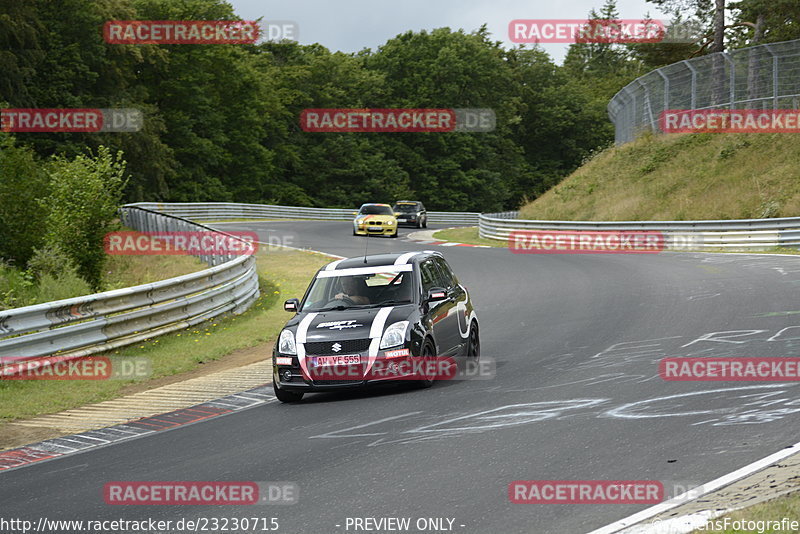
(333, 291)
(405, 208)
(375, 209)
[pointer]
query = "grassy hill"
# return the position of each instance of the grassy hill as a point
(681, 177)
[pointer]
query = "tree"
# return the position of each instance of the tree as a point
(22, 183)
(85, 193)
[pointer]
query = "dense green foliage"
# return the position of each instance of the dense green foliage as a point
(222, 121)
(22, 182)
(84, 196)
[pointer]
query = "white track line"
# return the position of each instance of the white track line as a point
(692, 494)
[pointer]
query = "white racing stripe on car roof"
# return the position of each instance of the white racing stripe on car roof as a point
(365, 270)
(332, 265)
(403, 258)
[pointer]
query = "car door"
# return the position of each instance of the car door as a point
(437, 315)
(456, 308)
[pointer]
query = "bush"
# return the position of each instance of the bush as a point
(84, 196)
(23, 183)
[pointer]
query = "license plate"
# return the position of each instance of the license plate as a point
(328, 361)
(402, 220)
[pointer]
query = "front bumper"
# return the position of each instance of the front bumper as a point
(299, 382)
(376, 230)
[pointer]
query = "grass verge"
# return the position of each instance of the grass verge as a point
(787, 506)
(681, 177)
(282, 275)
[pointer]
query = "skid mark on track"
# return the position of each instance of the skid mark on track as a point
(748, 405)
(421, 426)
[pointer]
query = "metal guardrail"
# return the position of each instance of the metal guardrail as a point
(736, 233)
(211, 211)
(756, 77)
(80, 326)
(502, 215)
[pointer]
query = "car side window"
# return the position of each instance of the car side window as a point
(430, 276)
(447, 280)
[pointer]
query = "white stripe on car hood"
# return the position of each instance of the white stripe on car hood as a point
(300, 339)
(376, 332)
(379, 321)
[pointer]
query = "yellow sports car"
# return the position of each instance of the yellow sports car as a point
(375, 219)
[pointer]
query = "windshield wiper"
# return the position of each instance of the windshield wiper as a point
(340, 307)
(386, 302)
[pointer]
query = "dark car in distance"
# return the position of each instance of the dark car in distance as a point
(366, 313)
(411, 212)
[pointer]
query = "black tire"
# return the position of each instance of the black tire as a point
(419, 223)
(425, 224)
(395, 233)
(286, 396)
(474, 343)
(427, 352)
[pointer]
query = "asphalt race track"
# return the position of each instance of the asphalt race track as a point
(577, 396)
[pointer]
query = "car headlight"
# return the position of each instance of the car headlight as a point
(394, 335)
(286, 343)
(389, 223)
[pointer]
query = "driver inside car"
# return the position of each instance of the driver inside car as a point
(354, 289)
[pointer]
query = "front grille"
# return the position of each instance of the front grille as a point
(339, 374)
(349, 346)
(375, 223)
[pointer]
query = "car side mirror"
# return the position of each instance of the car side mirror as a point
(355, 213)
(291, 305)
(436, 294)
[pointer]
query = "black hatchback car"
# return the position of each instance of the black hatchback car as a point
(411, 212)
(370, 312)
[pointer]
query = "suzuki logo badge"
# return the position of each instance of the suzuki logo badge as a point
(336, 347)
